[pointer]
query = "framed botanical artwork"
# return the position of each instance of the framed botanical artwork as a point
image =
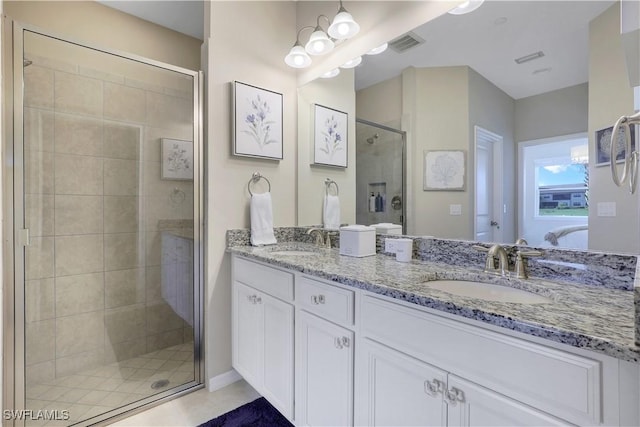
(177, 159)
(444, 170)
(603, 145)
(330, 142)
(257, 122)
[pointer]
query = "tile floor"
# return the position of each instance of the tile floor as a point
(102, 389)
(193, 409)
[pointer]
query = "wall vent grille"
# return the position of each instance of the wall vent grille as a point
(406, 42)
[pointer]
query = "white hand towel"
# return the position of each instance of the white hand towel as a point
(331, 212)
(262, 220)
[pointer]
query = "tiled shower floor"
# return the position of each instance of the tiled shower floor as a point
(102, 389)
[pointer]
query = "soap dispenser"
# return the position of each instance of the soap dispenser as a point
(372, 202)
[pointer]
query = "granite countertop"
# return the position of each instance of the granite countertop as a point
(590, 317)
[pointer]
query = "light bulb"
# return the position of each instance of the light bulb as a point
(379, 49)
(352, 63)
(466, 7)
(318, 46)
(298, 60)
(343, 29)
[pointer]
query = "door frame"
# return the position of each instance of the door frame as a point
(15, 238)
(497, 142)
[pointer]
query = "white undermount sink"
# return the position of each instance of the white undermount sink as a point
(487, 292)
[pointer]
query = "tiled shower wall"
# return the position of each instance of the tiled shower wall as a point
(93, 202)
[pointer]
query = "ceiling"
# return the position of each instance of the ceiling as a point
(183, 16)
(557, 28)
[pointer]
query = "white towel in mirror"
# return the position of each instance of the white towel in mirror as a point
(331, 212)
(262, 220)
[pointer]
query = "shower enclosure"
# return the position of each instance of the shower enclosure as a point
(380, 176)
(103, 289)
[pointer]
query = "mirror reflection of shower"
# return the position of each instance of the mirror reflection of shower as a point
(380, 181)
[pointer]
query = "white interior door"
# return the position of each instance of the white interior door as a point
(488, 189)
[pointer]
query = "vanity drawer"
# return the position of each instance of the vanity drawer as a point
(275, 282)
(560, 383)
(331, 302)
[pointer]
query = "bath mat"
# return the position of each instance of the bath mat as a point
(258, 413)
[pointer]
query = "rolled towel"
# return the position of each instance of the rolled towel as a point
(553, 235)
(262, 220)
(331, 212)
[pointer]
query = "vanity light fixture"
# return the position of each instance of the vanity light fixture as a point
(466, 7)
(321, 42)
(330, 74)
(297, 56)
(379, 49)
(352, 63)
(343, 25)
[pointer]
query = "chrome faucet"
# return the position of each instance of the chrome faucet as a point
(322, 239)
(495, 251)
(522, 241)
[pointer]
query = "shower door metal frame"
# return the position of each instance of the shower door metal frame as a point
(16, 239)
(403, 135)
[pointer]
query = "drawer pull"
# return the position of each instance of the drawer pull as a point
(341, 342)
(433, 387)
(317, 299)
(454, 395)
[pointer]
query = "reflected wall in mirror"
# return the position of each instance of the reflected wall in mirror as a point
(468, 73)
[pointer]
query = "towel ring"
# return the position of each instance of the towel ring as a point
(255, 178)
(327, 183)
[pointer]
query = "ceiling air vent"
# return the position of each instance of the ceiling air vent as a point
(406, 42)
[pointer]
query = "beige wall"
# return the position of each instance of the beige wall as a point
(494, 110)
(436, 106)
(610, 96)
(389, 113)
(91, 22)
(556, 113)
(250, 50)
(337, 93)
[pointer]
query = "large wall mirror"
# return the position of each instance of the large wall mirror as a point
(518, 90)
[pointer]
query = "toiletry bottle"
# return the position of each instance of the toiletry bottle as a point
(372, 203)
(378, 203)
(384, 202)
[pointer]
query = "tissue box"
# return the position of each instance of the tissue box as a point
(387, 228)
(357, 240)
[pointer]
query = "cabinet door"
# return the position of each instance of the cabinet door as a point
(324, 372)
(278, 354)
(394, 389)
(472, 405)
(247, 334)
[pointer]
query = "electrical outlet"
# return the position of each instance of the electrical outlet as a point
(390, 246)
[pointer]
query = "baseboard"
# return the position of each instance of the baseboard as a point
(223, 380)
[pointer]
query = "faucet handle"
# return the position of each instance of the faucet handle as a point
(480, 248)
(521, 265)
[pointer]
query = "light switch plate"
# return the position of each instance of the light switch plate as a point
(455, 210)
(390, 246)
(606, 209)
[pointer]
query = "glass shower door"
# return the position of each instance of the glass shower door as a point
(380, 182)
(110, 291)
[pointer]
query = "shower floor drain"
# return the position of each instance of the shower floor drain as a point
(159, 384)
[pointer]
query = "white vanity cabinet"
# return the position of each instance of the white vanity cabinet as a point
(262, 337)
(479, 376)
(324, 354)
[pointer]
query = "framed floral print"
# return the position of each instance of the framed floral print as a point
(330, 137)
(257, 122)
(177, 159)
